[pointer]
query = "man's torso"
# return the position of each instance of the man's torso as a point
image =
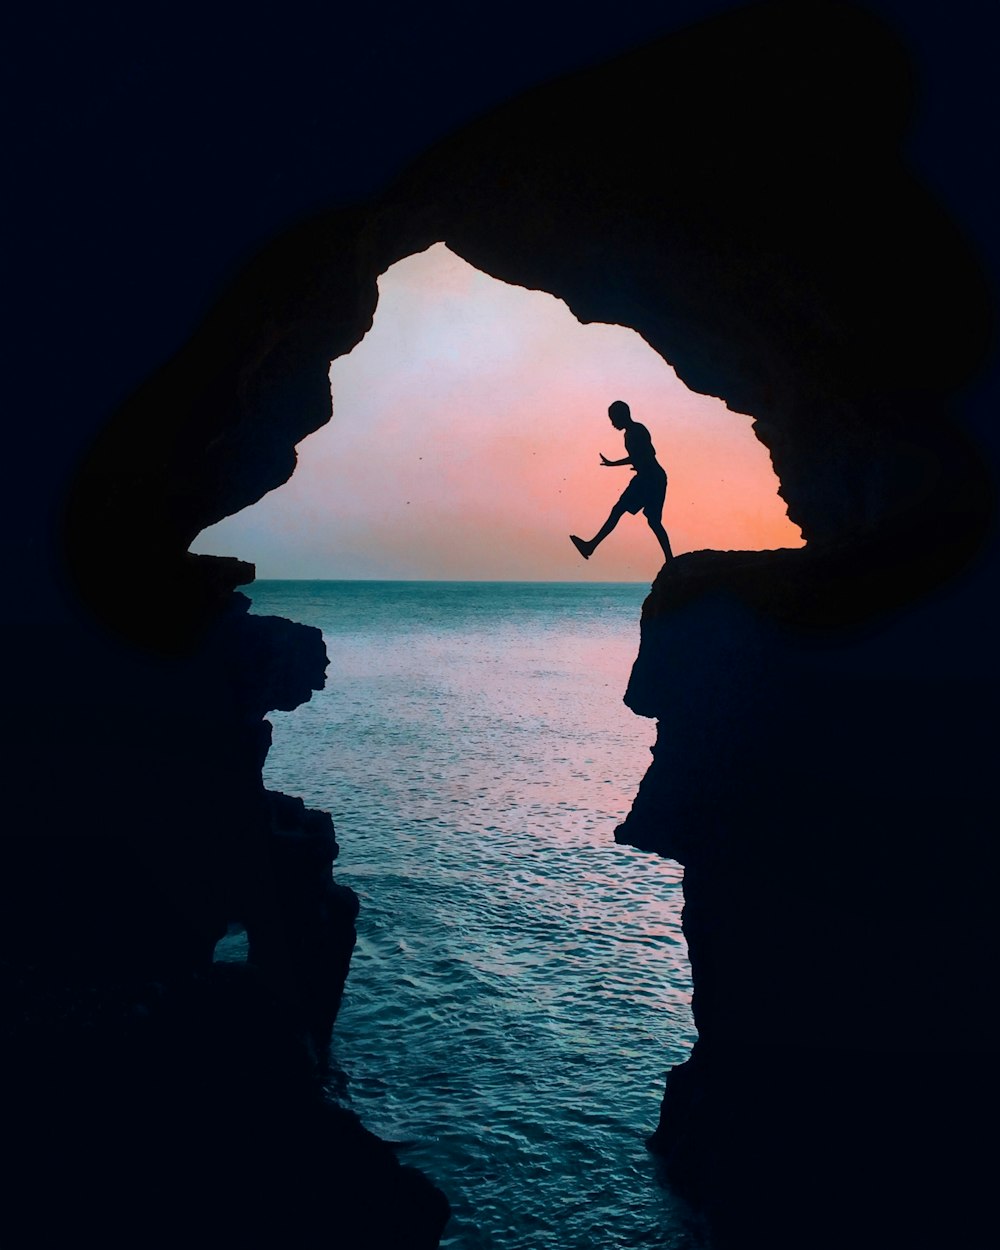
(640, 449)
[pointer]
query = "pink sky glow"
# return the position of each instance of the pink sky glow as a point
(465, 442)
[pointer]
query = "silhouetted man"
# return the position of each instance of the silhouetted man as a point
(646, 490)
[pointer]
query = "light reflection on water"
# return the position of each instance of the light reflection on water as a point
(520, 983)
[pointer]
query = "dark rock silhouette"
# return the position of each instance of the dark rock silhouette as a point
(735, 192)
(317, 916)
(801, 776)
(192, 1103)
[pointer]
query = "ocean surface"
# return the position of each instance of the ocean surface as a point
(520, 984)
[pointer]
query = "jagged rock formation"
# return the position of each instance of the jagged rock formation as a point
(157, 1089)
(317, 915)
(736, 193)
(841, 970)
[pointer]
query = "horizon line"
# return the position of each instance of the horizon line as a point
(464, 581)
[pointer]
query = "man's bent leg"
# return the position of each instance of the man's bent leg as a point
(661, 537)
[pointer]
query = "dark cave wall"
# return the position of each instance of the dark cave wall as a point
(737, 195)
(156, 1094)
(826, 791)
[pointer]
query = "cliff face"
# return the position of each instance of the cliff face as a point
(154, 1090)
(823, 787)
(736, 194)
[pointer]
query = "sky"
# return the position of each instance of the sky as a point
(465, 444)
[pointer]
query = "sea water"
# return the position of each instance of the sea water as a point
(520, 984)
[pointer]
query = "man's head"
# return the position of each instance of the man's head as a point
(619, 414)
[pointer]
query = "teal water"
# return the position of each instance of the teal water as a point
(520, 984)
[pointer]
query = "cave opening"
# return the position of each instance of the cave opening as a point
(464, 445)
(471, 741)
(780, 274)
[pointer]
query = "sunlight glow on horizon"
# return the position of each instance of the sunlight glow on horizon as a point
(465, 440)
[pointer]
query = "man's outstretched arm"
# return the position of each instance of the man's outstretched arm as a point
(613, 464)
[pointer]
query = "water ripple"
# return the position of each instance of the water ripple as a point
(520, 984)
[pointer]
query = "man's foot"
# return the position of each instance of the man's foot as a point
(585, 549)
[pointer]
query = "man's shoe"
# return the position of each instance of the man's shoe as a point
(582, 546)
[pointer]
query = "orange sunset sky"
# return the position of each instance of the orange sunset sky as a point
(465, 441)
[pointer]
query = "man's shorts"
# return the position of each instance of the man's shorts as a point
(645, 492)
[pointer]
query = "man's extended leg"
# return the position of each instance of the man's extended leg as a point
(587, 549)
(616, 514)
